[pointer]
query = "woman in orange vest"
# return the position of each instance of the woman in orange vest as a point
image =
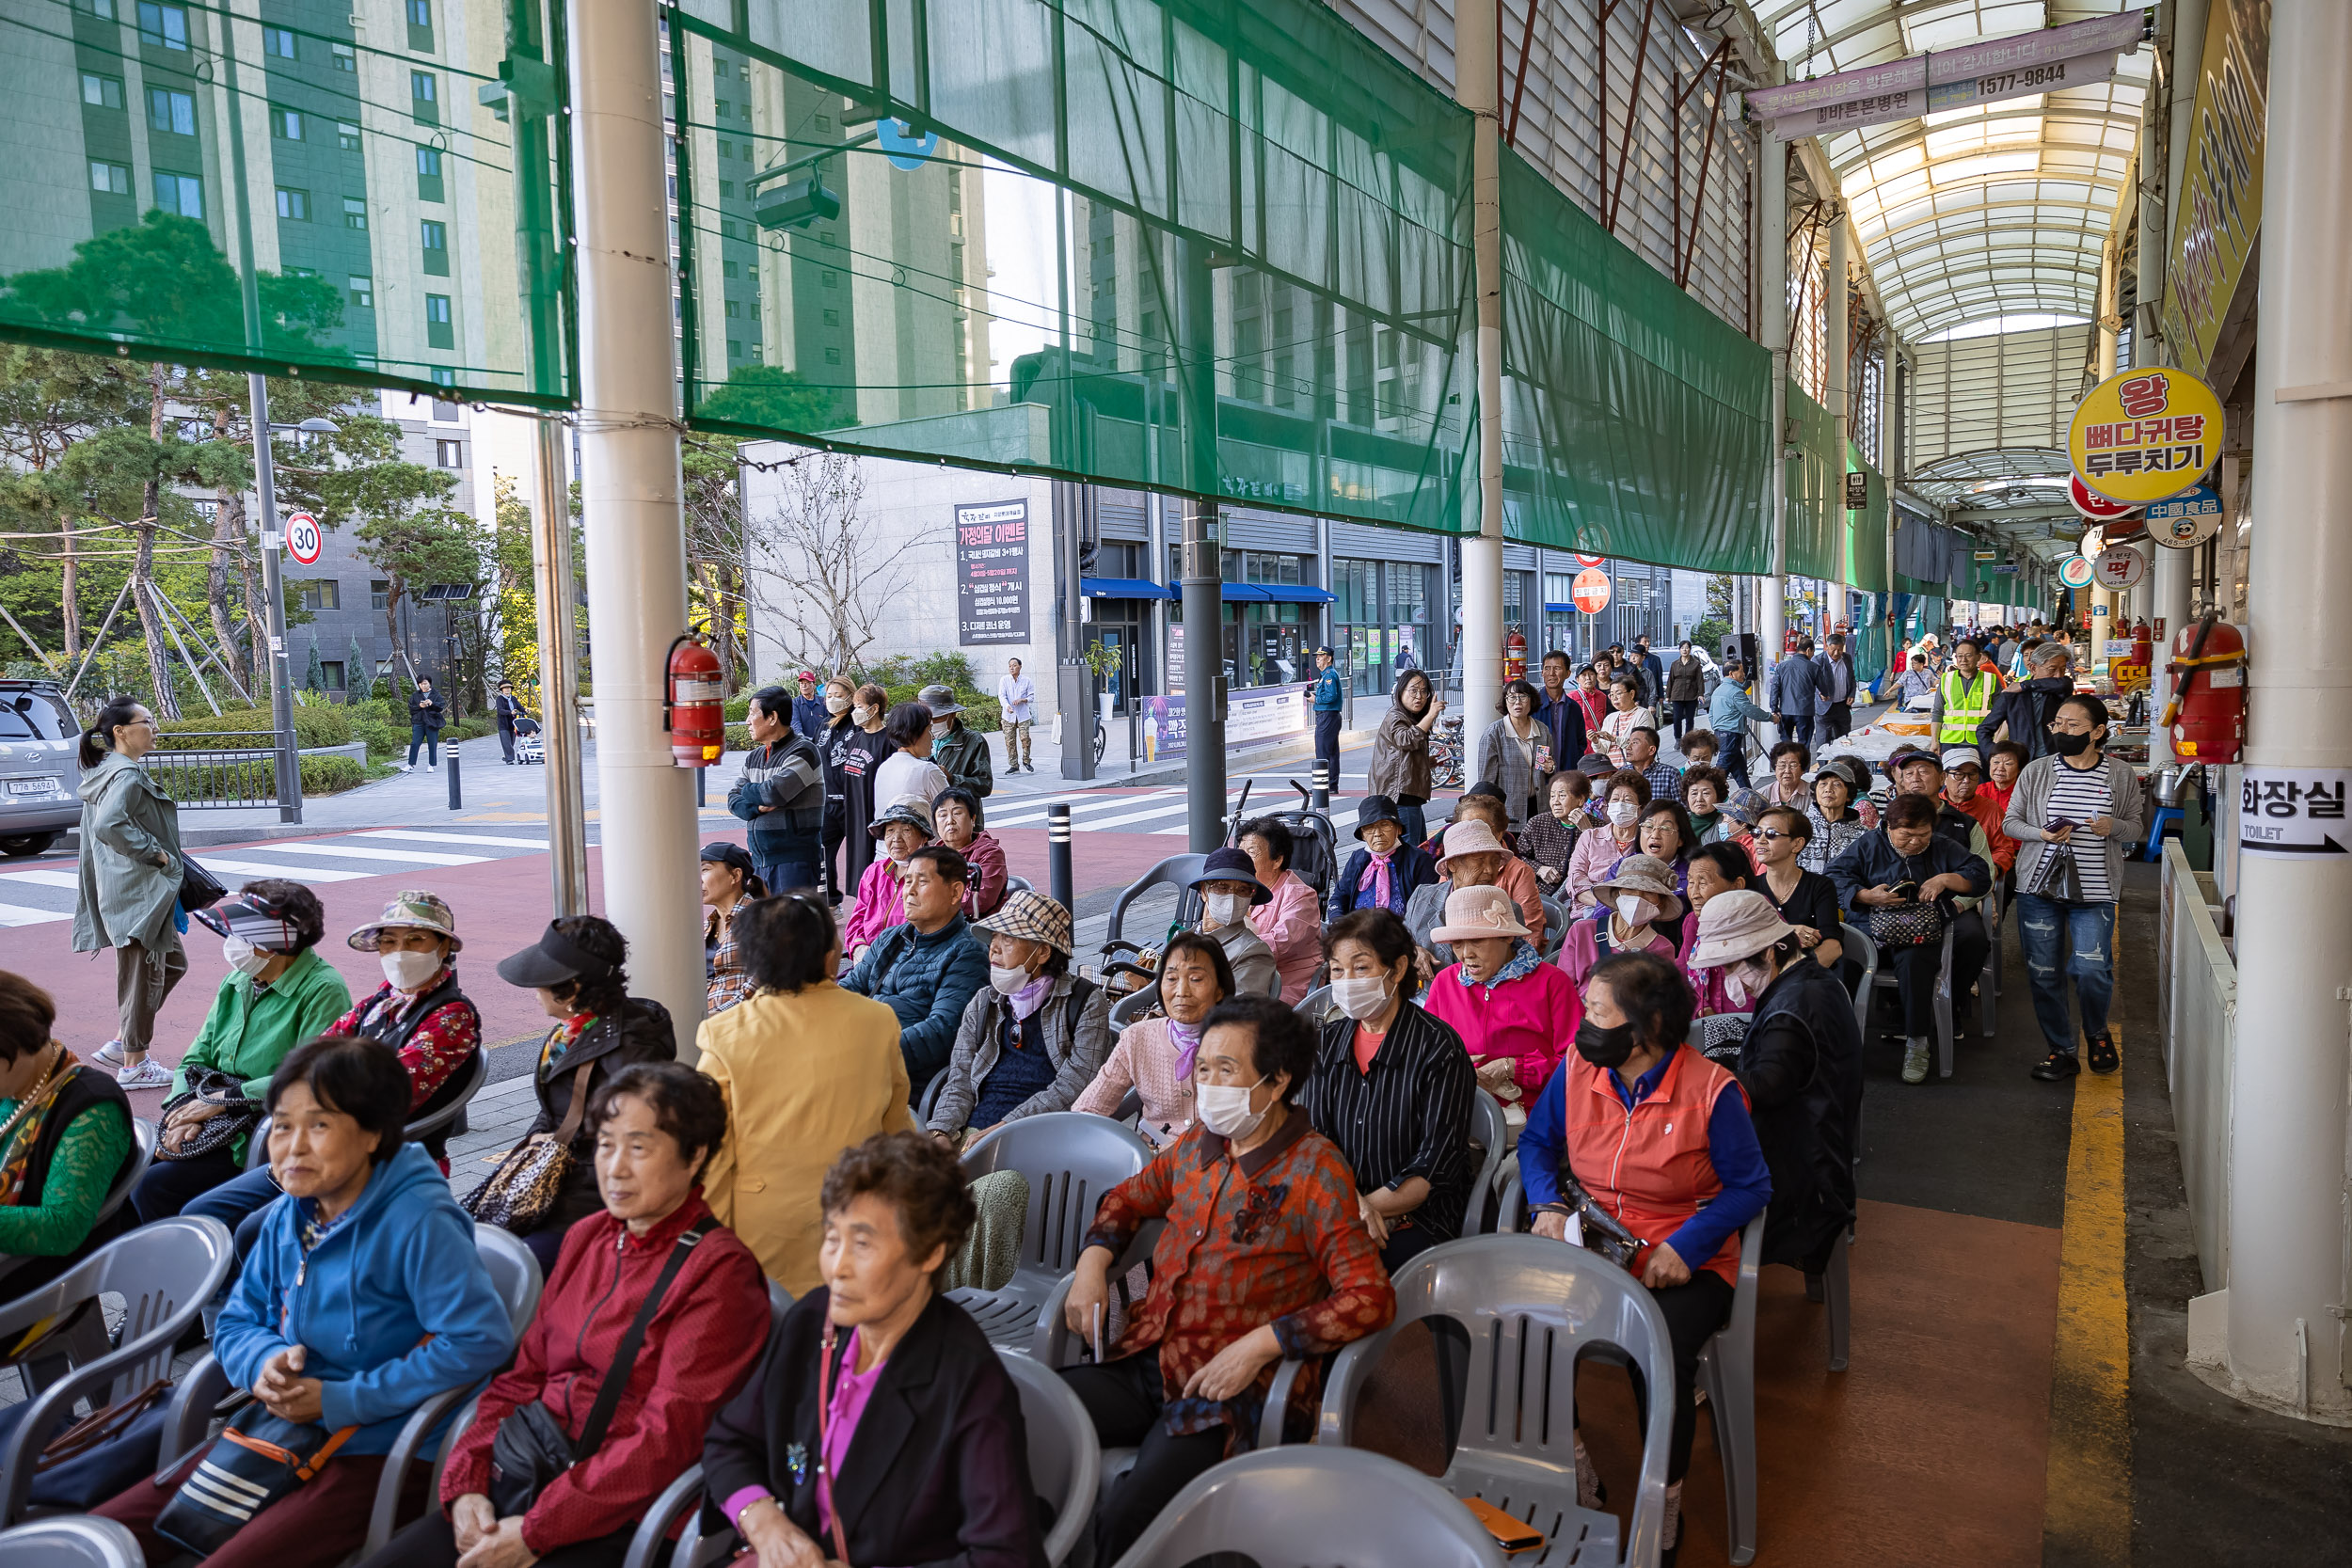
(1660, 1138)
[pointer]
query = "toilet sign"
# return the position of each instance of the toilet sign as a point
(2296, 812)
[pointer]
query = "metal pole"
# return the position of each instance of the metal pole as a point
(1204, 679)
(1478, 87)
(1839, 329)
(2168, 574)
(1773, 318)
(632, 495)
(2287, 1244)
(273, 591)
(457, 795)
(559, 674)
(1059, 874)
(2104, 602)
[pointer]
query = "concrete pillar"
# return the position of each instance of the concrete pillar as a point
(633, 521)
(2163, 145)
(1478, 87)
(1771, 317)
(2287, 1243)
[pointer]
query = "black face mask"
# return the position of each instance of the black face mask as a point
(1602, 1047)
(2069, 745)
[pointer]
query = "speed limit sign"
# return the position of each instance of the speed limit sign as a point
(303, 540)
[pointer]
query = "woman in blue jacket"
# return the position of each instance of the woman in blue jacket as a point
(364, 1298)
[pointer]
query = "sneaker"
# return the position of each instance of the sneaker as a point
(2056, 1065)
(1670, 1537)
(149, 1074)
(1915, 1061)
(109, 1055)
(2103, 1056)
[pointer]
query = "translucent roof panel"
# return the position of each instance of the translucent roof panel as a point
(1975, 213)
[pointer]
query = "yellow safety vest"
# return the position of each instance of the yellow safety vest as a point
(1965, 708)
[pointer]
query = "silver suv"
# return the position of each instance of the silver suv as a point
(39, 771)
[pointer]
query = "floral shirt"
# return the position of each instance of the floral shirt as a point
(440, 1044)
(1273, 1238)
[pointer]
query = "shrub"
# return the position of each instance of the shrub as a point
(313, 726)
(331, 775)
(738, 738)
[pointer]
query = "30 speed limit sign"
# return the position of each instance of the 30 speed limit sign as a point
(303, 540)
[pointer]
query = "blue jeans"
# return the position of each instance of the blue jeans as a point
(2088, 931)
(429, 739)
(783, 876)
(238, 1204)
(1797, 727)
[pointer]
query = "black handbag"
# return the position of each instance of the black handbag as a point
(199, 888)
(237, 1117)
(2057, 874)
(531, 1449)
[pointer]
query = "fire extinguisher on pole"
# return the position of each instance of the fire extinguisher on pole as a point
(2207, 713)
(693, 703)
(1515, 657)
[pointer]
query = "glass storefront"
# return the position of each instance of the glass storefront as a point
(1380, 621)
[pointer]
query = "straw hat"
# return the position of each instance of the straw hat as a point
(1649, 876)
(1737, 925)
(1473, 912)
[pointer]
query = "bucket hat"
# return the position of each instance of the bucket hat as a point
(1233, 866)
(1472, 837)
(1032, 917)
(1473, 912)
(411, 908)
(1746, 806)
(1374, 809)
(1648, 876)
(912, 810)
(1737, 925)
(555, 959)
(940, 700)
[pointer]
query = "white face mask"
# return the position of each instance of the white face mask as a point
(939, 728)
(836, 702)
(243, 956)
(1006, 981)
(1225, 908)
(1360, 999)
(409, 969)
(862, 714)
(1746, 980)
(1224, 1108)
(1635, 909)
(1622, 813)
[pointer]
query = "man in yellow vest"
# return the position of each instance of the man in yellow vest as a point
(1963, 696)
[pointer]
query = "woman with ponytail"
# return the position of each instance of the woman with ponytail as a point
(129, 897)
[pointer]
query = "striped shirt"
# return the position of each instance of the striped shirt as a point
(2077, 795)
(1408, 1114)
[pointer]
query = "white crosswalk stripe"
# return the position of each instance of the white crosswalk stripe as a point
(1035, 817)
(423, 836)
(19, 914)
(296, 873)
(43, 878)
(353, 851)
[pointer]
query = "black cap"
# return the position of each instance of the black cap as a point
(554, 962)
(729, 854)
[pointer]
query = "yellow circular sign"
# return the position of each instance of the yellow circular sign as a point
(2145, 435)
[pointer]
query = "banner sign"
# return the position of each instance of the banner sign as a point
(2220, 207)
(992, 574)
(2187, 519)
(1254, 713)
(2078, 54)
(2145, 435)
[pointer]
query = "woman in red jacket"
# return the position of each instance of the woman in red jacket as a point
(656, 1125)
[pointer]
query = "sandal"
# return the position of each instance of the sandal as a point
(2103, 1055)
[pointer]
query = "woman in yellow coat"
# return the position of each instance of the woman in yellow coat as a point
(809, 1069)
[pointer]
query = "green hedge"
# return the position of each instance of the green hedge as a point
(331, 775)
(313, 726)
(255, 778)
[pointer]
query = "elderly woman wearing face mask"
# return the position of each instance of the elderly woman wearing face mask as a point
(1512, 1009)
(1474, 856)
(1624, 796)
(1230, 889)
(1155, 1057)
(1034, 1040)
(1636, 902)
(1384, 873)
(1801, 1062)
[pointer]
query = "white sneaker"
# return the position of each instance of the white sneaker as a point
(149, 1074)
(1915, 1061)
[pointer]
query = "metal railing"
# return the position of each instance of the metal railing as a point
(2197, 1017)
(228, 769)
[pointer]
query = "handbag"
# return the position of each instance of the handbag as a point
(199, 888)
(238, 1115)
(523, 1191)
(1913, 925)
(2057, 874)
(531, 1449)
(259, 1460)
(1603, 1232)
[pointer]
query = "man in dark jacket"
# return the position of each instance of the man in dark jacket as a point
(1837, 685)
(1652, 669)
(1795, 693)
(809, 717)
(781, 793)
(424, 725)
(927, 969)
(1686, 687)
(962, 753)
(2026, 708)
(1560, 712)
(508, 709)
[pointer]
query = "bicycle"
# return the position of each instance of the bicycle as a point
(1445, 754)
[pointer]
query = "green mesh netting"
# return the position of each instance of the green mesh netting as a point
(1865, 530)
(1817, 492)
(299, 194)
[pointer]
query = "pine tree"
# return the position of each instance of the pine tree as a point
(314, 673)
(358, 674)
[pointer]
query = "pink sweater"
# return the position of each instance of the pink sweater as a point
(880, 905)
(1531, 1019)
(1144, 1060)
(1292, 927)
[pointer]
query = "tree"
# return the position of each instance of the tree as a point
(842, 581)
(1716, 624)
(414, 549)
(771, 398)
(714, 550)
(358, 674)
(313, 669)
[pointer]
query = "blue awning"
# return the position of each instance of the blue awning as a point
(1123, 587)
(1288, 594)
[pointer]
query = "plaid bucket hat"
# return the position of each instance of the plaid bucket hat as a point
(410, 907)
(1032, 917)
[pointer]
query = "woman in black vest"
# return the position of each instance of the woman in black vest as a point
(65, 1134)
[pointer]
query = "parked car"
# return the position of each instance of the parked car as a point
(38, 767)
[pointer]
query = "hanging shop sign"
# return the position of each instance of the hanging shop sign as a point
(1591, 590)
(2077, 56)
(992, 574)
(2188, 519)
(2118, 566)
(2144, 436)
(2220, 204)
(2075, 572)
(2091, 503)
(1857, 491)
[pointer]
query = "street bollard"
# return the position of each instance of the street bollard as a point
(1058, 852)
(1319, 798)
(701, 800)
(456, 798)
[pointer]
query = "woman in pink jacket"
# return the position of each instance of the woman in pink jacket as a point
(905, 828)
(1292, 925)
(1515, 1014)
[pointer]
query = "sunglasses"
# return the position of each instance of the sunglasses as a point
(1773, 833)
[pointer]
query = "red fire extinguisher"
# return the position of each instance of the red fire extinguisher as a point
(693, 703)
(2207, 713)
(1514, 657)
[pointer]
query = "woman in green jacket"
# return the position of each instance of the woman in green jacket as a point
(128, 897)
(278, 992)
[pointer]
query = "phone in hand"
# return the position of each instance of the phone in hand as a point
(1907, 892)
(2056, 822)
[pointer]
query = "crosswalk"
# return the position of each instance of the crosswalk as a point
(1159, 812)
(40, 896)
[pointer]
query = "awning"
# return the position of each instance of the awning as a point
(1274, 593)
(1123, 587)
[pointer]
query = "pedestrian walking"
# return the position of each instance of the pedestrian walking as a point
(1329, 698)
(1796, 693)
(508, 710)
(424, 725)
(1686, 687)
(128, 892)
(1016, 702)
(1837, 690)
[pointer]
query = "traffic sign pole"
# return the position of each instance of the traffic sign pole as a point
(289, 768)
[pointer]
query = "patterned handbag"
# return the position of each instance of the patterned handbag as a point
(237, 1117)
(1911, 925)
(524, 1190)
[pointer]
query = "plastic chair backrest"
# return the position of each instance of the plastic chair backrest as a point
(1555, 925)
(1065, 1455)
(143, 1136)
(1315, 1006)
(472, 1073)
(1133, 1006)
(514, 1272)
(1493, 1134)
(1071, 1161)
(72, 1541)
(1302, 1504)
(1178, 872)
(1018, 884)
(1314, 852)
(1864, 952)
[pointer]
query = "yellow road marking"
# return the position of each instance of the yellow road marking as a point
(2086, 1509)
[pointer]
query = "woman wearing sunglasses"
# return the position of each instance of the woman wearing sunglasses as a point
(1805, 899)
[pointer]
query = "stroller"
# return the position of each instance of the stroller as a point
(529, 745)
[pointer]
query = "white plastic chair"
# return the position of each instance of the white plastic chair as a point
(1941, 1004)
(1493, 1135)
(143, 1136)
(1297, 1507)
(681, 1495)
(72, 1541)
(1070, 1159)
(1864, 950)
(1728, 1374)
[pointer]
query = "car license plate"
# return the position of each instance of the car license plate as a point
(32, 786)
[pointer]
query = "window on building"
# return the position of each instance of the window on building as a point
(429, 174)
(833, 356)
(733, 309)
(424, 97)
(102, 92)
(113, 179)
(360, 289)
(344, 57)
(420, 26)
(293, 204)
(433, 235)
(379, 593)
(444, 376)
(103, 10)
(439, 331)
(355, 212)
(286, 125)
(347, 135)
(180, 194)
(170, 111)
(322, 594)
(734, 350)
(449, 455)
(331, 674)
(446, 411)
(279, 42)
(163, 26)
